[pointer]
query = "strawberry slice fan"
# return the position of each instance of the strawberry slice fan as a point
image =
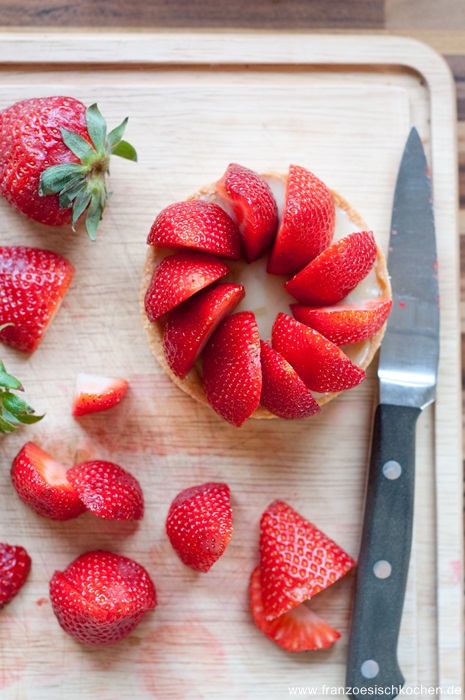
(224, 341)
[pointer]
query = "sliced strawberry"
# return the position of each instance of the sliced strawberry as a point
(346, 323)
(179, 276)
(283, 391)
(196, 224)
(320, 364)
(199, 524)
(15, 564)
(101, 597)
(251, 200)
(300, 629)
(33, 283)
(336, 271)
(307, 225)
(108, 490)
(231, 368)
(297, 560)
(95, 393)
(190, 325)
(41, 483)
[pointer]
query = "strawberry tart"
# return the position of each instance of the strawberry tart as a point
(264, 295)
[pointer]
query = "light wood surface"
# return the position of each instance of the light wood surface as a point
(282, 107)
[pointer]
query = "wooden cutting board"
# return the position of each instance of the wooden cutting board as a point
(341, 106)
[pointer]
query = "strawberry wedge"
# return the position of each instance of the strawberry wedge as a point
(179, 276)
(283, 391)
(95, 393)
(307, 225)
(231, 368)
(33, 283)
(107, 490)
(299, 629)
(15, 565)
(297, 560)
(40, 481)
(251, 200)
(321, 365)
(346, 322)
(336, 271)
(190, 325)
(198, 225)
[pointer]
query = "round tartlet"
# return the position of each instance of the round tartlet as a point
(377, 285)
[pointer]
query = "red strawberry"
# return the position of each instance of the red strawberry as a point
(101, 597)
(54, 156)
(320, 364)
(283, 391)
(297, 560)
(179, 276)
(196, 224)
(300, 629)
(107, 490)
(348, 322)
(33, 283)
(15, 564)
(307, 226)
(190, 325)
(336, 271)
(254, 208)
(231, 368)
(199, 524)
(41, 483)
(94, 393)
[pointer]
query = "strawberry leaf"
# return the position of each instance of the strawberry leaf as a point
(78, 145)
(124, 150)
(55, 179)
(96, 126)
(13, 409)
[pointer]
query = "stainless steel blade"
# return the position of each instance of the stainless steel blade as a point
(410, 349)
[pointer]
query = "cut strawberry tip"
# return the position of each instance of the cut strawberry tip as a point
(95, 393)
(300, 629)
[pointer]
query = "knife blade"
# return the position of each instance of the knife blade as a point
(407, 374)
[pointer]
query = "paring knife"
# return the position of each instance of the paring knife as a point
(407, 376)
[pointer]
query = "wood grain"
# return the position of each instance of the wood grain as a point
(268, 14)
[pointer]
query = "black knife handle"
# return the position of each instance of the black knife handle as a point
(384, 555)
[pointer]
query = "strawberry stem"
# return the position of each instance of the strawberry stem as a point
(81, 186)
(13, 409)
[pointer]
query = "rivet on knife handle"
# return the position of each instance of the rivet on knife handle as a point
(385, 552)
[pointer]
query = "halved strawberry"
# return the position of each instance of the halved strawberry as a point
(191, 324)
(321, 365)
(94, 393)
(297, 560)
(251, 200)
(345, 323)
(300, 629)
(196, 224)
(33, 283)
(199, 524)
(107, 490)
(283, 391)
(41, 483)
(179, 276)
(101, 597)
(231, 368)
(307, 225)
(15, 564)
(336, 271)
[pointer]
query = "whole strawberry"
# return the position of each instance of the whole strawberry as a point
(199, 524)
(54, 156)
